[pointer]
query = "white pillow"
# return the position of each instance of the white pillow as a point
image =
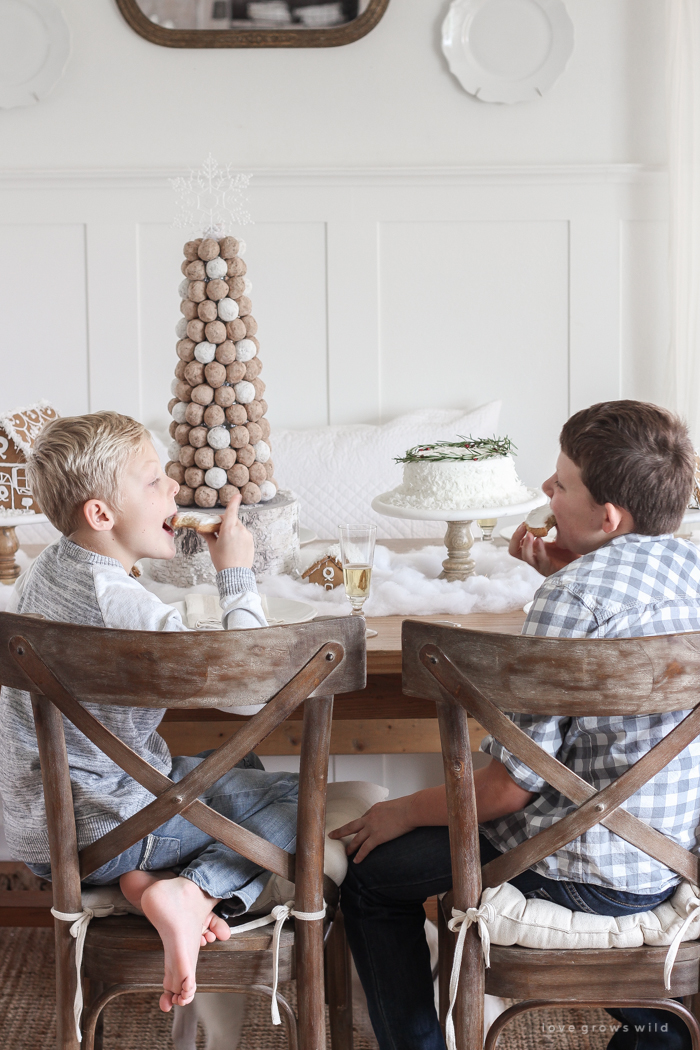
(337, 471)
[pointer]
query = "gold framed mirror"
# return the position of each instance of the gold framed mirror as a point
(252, 23)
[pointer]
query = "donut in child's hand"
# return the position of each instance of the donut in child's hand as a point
(193, 519)
(540, 520)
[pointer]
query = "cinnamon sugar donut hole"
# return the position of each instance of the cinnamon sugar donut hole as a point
(246, 455)
(254, 411)
(236, 267)
(194, 477)
(204, 457)
(197, 291)
(208, 249)
(173, 427)
(236, 414)
(215, 374)
(257, 472)
(214, 416)
(250, 494)
(235, 371)
(194, 373)
(225, 396)
(205, 497)
(198, 437)
(259, 385)
(254, 433)
(183, 391)
(187, 456)
(190, 249)
(203, 394)
(185, 496)
(182, 434)
(228, 247)
(255, 341)
(176, 471)
(226, 352)
(239, 437)
(253, 369)
(238, 475)
(226, 494)
(180, 369)
(217, 289)
(194, 414)
(236, 287)
(244, 306)
(206, 311)
(270, 468)
(215, 332)
(185, 349)
(235, 330)
(265, 427)
(263, 405)
(188, 309)
(251, 325)
(196, 271)
(195, 331)
(183, 267)
(225, 457)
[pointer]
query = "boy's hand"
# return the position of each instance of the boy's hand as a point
(232, 546)
(547, 558)
(383, 822)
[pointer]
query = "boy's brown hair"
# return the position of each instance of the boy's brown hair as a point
(637, 456)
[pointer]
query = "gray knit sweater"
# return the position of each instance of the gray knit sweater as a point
(71, 584)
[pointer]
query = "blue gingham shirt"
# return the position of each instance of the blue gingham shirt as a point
(634, 585)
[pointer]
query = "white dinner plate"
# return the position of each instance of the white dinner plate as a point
(306, 536)
(278, 612)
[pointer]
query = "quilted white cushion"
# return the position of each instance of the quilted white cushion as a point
(337, 471)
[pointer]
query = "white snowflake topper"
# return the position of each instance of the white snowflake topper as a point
(212, 200)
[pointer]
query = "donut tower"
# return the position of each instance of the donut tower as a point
(221, 438)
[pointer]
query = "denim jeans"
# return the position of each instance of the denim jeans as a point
(382, 901)
(264, 803)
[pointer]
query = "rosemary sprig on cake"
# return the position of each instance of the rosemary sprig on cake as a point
(466, 448)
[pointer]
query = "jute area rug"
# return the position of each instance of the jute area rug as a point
(27, 1012)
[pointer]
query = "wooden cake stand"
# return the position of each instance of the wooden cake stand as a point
(9, 544)
(459, 564)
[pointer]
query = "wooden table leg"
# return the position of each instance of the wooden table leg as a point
(9, 545)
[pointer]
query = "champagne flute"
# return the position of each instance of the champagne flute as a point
(357, 556)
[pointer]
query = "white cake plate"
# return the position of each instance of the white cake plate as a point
(9, 544)
(459, 563)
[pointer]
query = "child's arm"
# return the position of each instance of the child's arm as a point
(496, 796)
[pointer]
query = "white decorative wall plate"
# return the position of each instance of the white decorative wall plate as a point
(34, 50)
(507, 50)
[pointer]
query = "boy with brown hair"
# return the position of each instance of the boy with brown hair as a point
(622, 482)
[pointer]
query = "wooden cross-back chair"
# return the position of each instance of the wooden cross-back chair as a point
(64, 666)
(485, 675)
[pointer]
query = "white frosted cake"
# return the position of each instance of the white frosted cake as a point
(475, 472)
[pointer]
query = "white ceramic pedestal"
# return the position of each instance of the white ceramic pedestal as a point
(9, 544)
(459, 564)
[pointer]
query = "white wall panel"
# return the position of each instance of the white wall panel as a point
(644, 320)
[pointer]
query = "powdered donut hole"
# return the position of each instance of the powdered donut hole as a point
(216, 268)
(215, 332)
(205, 352)
(238, 475)
(246, 455)
(217, 290)
(254, 411)
(204, 457)
(173, 428)
(245, 350)
(196, 271)
(195, 414)
(194, 477)
(226, 494)
(197, 292)
(179, 412)
(185, 496)
(187, 456)
(195, 330)
(259, 385)
(236, 414)
(181, 328)
(270, 468)
(225, 457)
(214, 416)
(257, 472)
(235, 371)
(235, 330)
(215, 478)
(182, 434)
(262, 451)
(171, 404)
(245, 392)
(219, 437)
(268, 491)
(183, 390)
(208, 249)
(194, 373)
(239, 437)
(236, 287)
(255, 341)
(253, 369)
(227, 309)
(188, 309)
(224, 396)
(203, 394)
(251, 325)
(176, 471)
(228, 247)
(216, 374)
(226, 352)
(235, 268)
(185, 349)
(254, 433)
(250, 493)
(205, 497)
(244, 305)
(206, 311)
(198, 437)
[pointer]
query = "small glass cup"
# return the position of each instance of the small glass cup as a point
(357, 557)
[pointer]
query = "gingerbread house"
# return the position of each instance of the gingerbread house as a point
(18, 432)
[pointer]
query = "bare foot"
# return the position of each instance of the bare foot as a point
(133, 883)
(180, 911)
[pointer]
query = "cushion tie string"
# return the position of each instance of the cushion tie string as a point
(80, 921)
(279, 916)
(692, 908)
(462, 920)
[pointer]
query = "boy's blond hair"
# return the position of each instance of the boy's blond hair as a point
(77, 458)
